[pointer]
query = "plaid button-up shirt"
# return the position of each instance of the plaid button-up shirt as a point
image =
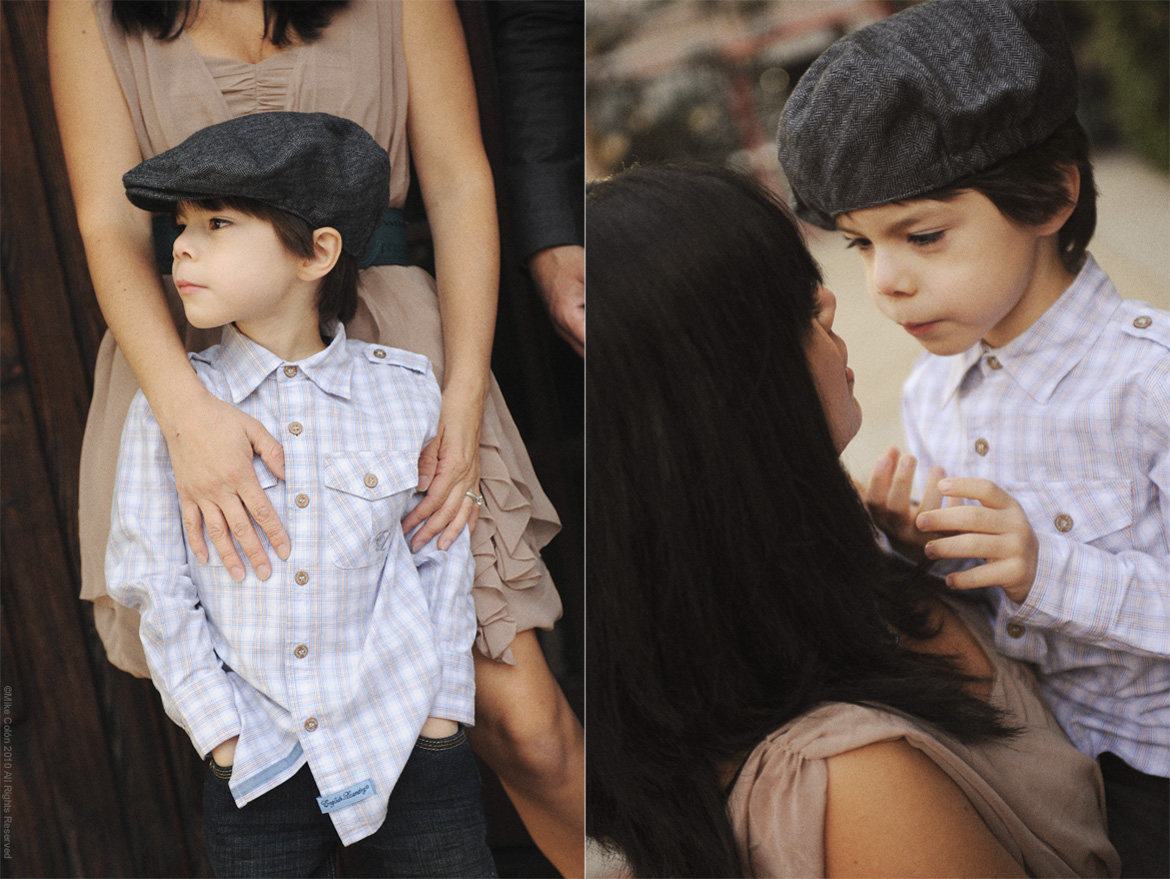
(1072, 418)
(339, 657)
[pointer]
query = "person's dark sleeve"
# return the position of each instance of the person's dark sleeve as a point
(540, 65)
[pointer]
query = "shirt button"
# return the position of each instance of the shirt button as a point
(1063, 522)
(290, 371)
(981, 447)
(302, 500)
(311, 724)
(370, 480)
(295, 428)
(379, 353)
(1015, 630)
(994, 363)
(1142, 321)
(301, 652)
(302, 578)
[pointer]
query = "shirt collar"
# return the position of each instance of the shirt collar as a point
(1041, 356)
(246, 364)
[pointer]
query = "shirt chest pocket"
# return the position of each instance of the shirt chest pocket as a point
(1082, 511)
(368, 495)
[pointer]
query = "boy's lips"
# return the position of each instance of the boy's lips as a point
(920, 329)
(186, 288)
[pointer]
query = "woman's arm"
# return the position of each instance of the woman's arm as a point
(891, 811)
(210, 442)
(456, 182)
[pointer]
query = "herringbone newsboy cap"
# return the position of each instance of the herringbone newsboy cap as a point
(923, 98)
(324, 169)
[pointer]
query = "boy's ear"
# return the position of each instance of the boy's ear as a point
(326, 250)
(1072, 184)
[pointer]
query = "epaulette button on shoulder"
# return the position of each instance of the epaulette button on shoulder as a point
(1142, 321)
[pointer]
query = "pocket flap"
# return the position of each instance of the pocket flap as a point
(371, 475)
(1084, 511)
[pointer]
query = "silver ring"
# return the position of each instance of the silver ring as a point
(478, 498)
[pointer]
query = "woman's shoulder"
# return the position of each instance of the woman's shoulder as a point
(805, 791)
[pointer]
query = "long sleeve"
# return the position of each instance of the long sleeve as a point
(446, 578)
(147, 570)
(1121, 599)
(539, 50)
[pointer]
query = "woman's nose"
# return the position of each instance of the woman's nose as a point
(890, 277)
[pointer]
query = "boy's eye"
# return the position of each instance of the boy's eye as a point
(925, 237)
(218, 223)
(858, 243)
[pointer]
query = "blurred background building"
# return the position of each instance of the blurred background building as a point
(706, 80)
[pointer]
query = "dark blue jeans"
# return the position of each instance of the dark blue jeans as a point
(434, 826)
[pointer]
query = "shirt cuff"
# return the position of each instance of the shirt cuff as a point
(208, 711)
(456, 697)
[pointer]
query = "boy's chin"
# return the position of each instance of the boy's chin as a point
(201, 322)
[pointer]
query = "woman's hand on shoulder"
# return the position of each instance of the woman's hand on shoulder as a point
(211, 445)
(892, 811)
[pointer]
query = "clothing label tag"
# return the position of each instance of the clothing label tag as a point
(349, 796)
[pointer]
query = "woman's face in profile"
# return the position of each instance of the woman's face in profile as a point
(828, 363)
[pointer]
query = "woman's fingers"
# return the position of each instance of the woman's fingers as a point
(428, 463)
(193, 526)
(220, 535)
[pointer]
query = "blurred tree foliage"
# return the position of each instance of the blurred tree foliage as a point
(1123, 57)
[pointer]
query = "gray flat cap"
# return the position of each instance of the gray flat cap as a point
(324, 169)
(920, 99)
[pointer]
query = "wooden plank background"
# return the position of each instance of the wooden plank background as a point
(94, 779)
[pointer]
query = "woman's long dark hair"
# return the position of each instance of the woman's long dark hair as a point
(734, 580)
(165, 19)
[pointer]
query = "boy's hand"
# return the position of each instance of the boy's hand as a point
(438, 728)
(888, 498)
(224, 754)
(997, 531)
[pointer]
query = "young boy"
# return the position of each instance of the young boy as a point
(942, 141)
(329, 696)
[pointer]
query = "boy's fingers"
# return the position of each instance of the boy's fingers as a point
(966, 546)
(931, 497)
(879, 481)
(983, 490)
(1000, 572)
(900, 487)
(966, 517)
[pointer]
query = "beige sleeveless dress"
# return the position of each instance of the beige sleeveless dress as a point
(356, 69)
(1041, 798)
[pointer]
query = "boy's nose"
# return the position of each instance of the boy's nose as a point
(890, 277)
(182, 247)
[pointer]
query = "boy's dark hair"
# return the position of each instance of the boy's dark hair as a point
(733, 567)
(337, 295)
(1030, 186)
